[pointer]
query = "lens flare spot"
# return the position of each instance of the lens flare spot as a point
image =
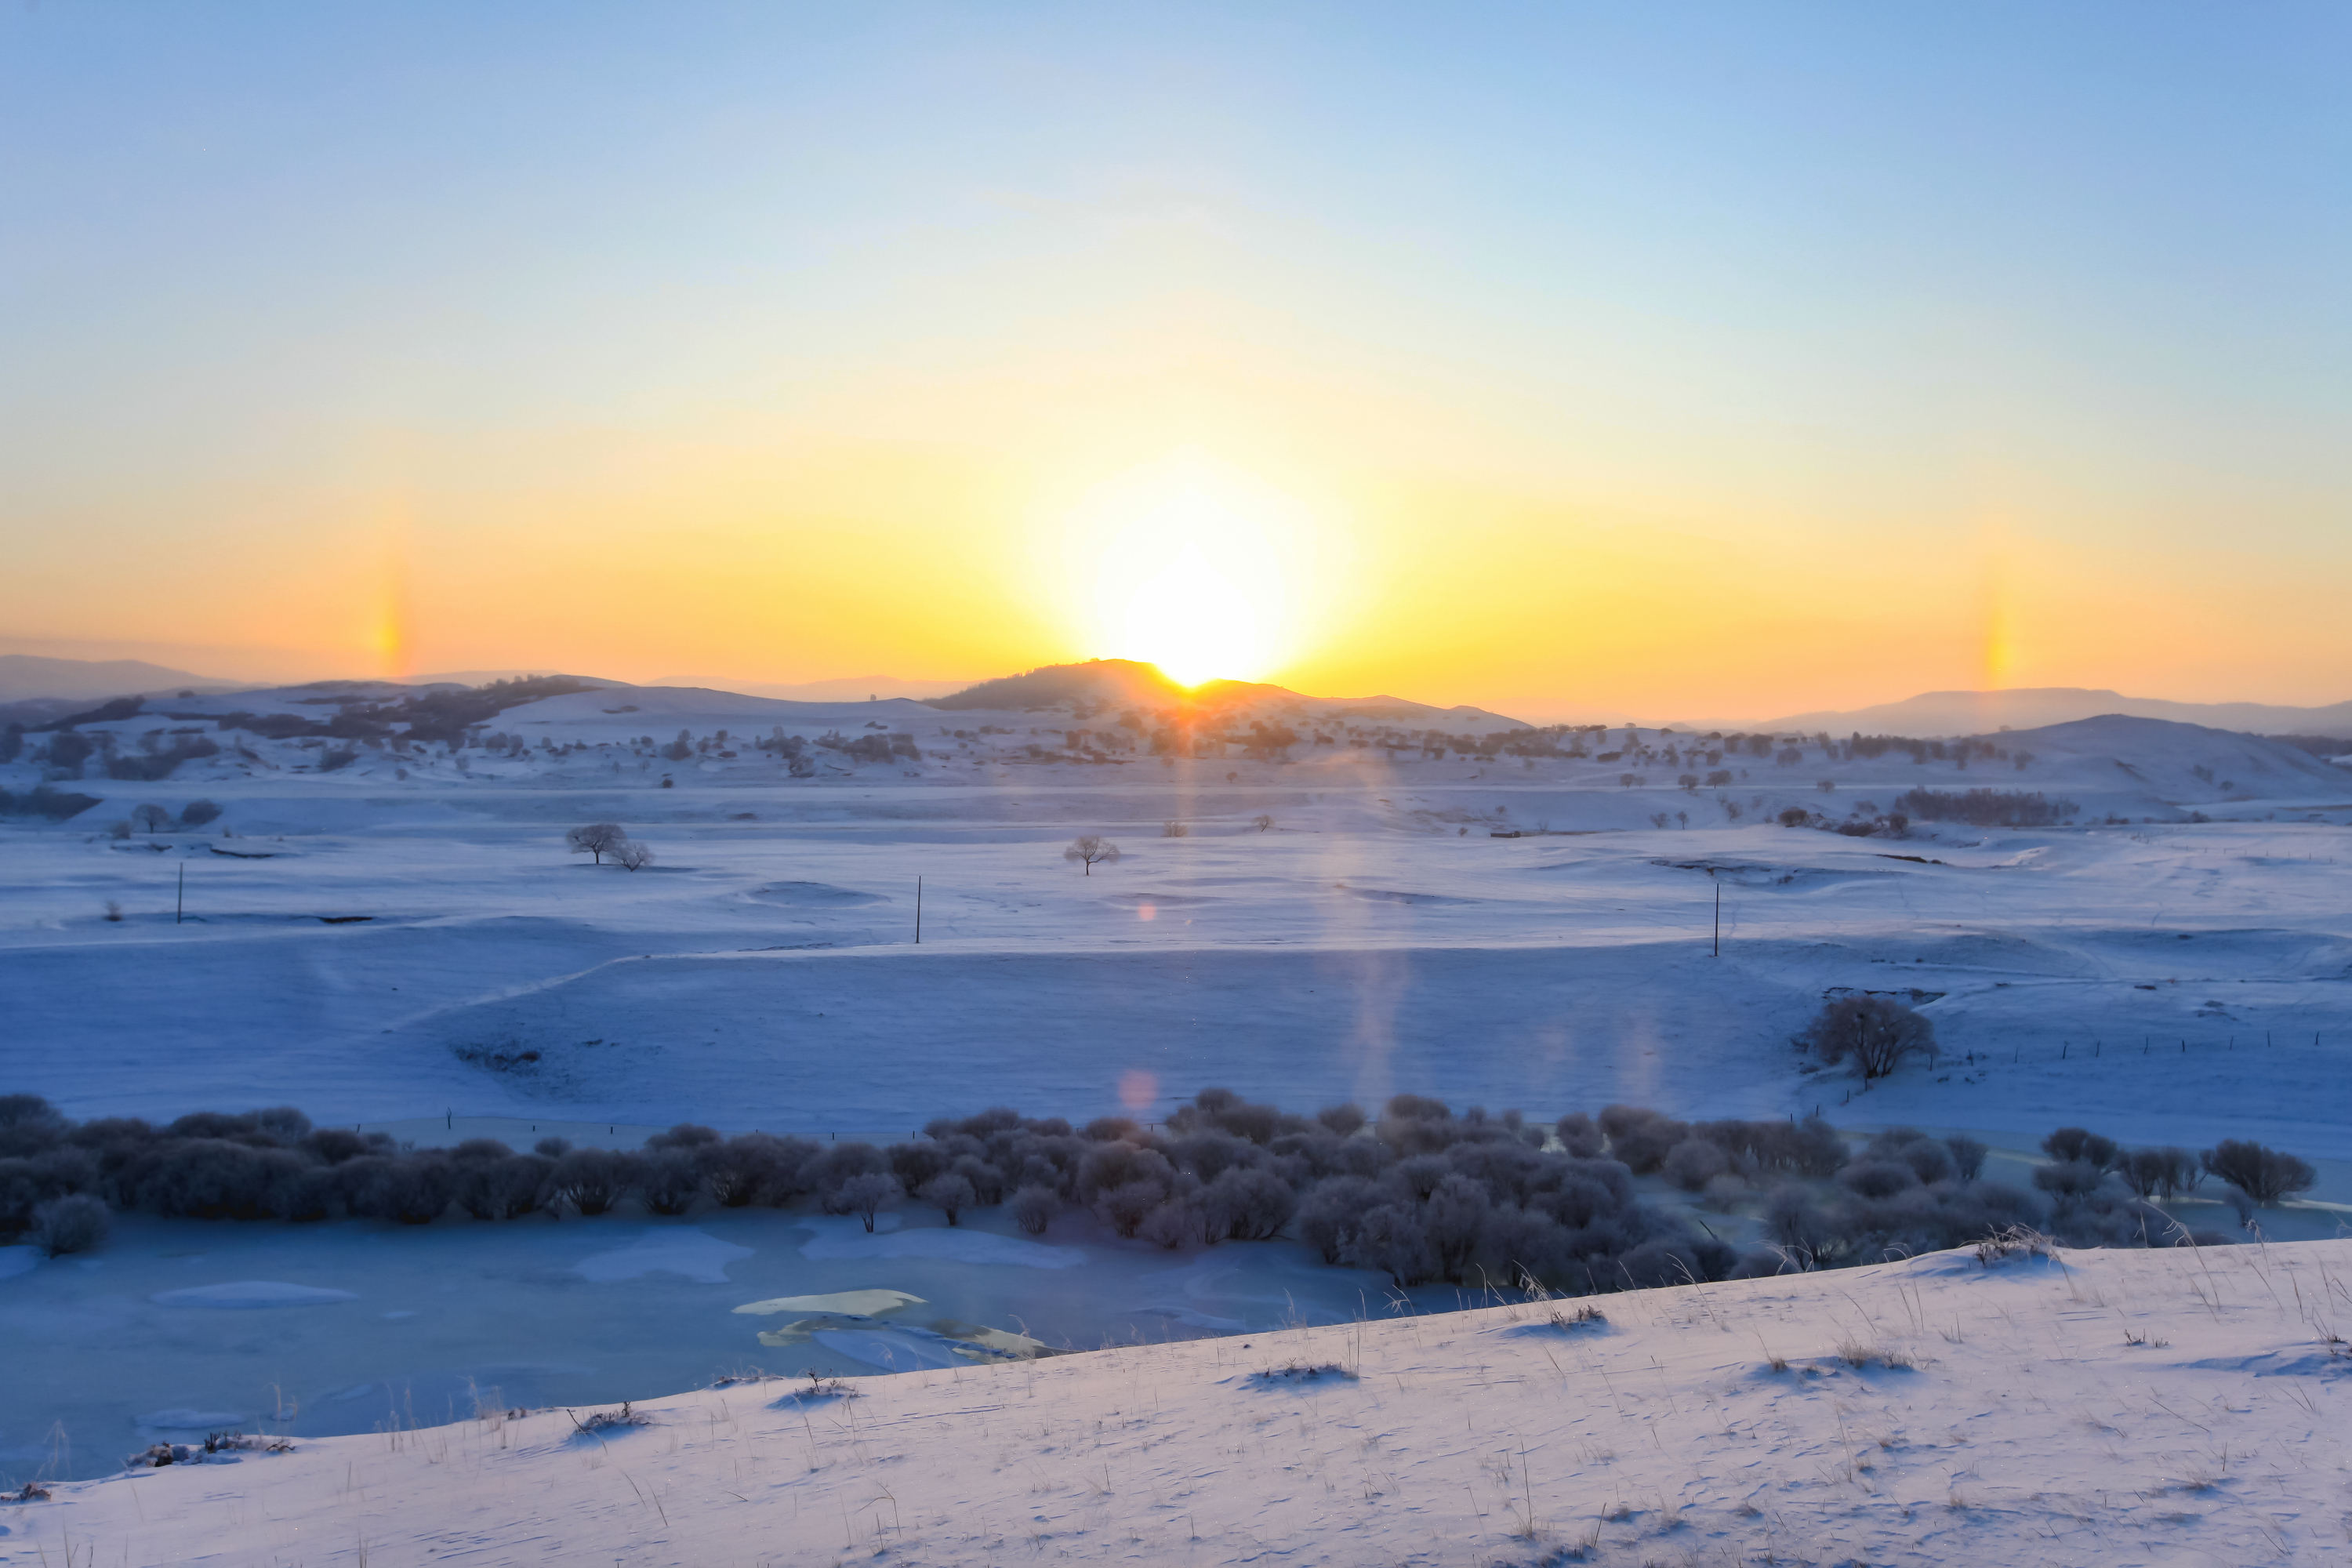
(1137, 1088)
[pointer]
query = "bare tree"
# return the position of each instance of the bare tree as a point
(1877, 1031)
(1261, 821)
(1091, 849)
(151, 817)
(867, 1194)
(598, 838)
(1171, 829)
(632, 854)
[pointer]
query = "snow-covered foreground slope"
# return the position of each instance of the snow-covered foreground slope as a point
(2172, 1406)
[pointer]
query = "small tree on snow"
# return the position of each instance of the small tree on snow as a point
(632, 854)
(598, 838)
(151, 817)
(1091, 849)
(867, 1194)
(1262, 822)
(1877, 1031)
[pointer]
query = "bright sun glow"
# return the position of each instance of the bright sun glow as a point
(1194, 571)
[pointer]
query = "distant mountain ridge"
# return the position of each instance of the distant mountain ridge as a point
(24, 676)
(1936, 713)
(36, 688)
(1129, 682)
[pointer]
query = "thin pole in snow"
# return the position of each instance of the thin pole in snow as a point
(1718, 921)
(180, 908)
(919, 911)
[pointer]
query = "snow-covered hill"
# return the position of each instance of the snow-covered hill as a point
(1983, 712)
(2117, 1407)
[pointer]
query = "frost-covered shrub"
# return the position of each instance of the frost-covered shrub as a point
(1119, 1163)
(919, 1163)
(1452, 1219)
(1328, 1215)
(1394, 1239)
(77, 1223)
(1344, 1120)
(1987, 807)
(1034, 1208)
(1125, 1207)
(206, 1178)
(2159, 1172)
(685, 1135)
(758, 1167)
(592, 1180)
(2069, 1143)
(1967, 1156)
(1246, 1205)
(332, 1145)
(2069, 1178)
(1929, 1160)
(1692, 1163)
(672, 1179)
(1878, 1178)
(1176, 1223)
(949, 1193)
(410, 1190)
(1579, 1135)
(1640, 1137)
(1413, 1125)
(1228, 1112)
(28, 1116)
(867, 1194)
(833, 1169)
(987, 1181)
(507, 1188)
(2264, 1175)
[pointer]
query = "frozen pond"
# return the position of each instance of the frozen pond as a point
(177, 1326)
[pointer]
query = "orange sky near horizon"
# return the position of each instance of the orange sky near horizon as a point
(754, 555)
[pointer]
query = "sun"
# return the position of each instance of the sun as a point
(1194, 571)
(1202, 614)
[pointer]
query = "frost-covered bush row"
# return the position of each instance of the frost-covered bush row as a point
(1988, 807)
(1421, 1194)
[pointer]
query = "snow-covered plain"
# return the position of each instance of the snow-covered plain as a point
(2156, 977)
(2175, 1407)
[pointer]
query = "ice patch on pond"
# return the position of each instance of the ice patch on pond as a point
(691, 1254)
(181, 1419)
(945, 1247)
(252, 1293)
(857, 1303)
(14, 1260)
